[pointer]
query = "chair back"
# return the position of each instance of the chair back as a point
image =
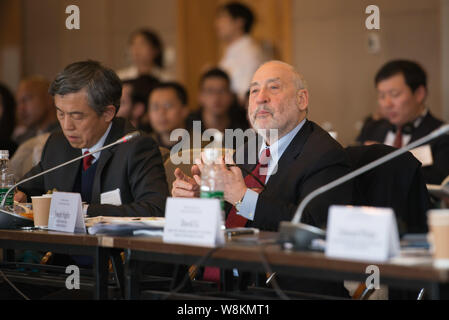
(397, 184)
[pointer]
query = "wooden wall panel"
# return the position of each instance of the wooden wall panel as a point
(331, 50)
(10, 42)
(199, 48)
(197, 43)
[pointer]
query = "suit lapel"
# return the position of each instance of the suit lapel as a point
(293, 150)
(428, 124)
(69, 172)
(296, 146)
(116, 133)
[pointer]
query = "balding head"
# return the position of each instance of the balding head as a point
(35, 107)
(297, 77)
(278, 98)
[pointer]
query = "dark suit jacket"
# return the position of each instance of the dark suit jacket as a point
(312, 159)
(435, 174)
(135, 167)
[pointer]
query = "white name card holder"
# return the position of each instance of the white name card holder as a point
(194, 222)
(66, 213)
(362, 233)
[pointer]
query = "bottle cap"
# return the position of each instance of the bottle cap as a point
(211, 155)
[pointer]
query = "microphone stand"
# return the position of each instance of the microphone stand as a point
(299, 235)
(5, 210)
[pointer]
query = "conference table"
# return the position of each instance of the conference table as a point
(412, 271)
(55, 242)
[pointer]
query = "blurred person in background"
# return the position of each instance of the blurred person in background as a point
(167, 111)
(134, 101)
(242, 55)
(402, 92)
(147, 55)
(7, 119)
(126, 103)
(36, 111)
(27, 155)
(219, 108)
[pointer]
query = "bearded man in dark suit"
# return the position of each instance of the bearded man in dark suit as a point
(294, 161)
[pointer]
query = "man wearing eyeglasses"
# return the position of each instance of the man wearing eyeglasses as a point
(87, 98)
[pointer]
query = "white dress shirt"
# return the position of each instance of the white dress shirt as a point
(98, 145)
(391, 136)
(241, 60)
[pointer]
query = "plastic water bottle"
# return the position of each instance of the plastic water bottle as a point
(212, 186)
(6, 178)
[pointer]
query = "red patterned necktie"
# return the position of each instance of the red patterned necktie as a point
(87, 161)
(234, 220)
(398, 139)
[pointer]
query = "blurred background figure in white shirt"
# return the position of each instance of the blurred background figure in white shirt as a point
(242, 55)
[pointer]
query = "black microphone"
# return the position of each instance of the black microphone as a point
(299, 235)
(124, 139)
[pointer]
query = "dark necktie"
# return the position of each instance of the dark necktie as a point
(234, 220)
(398, 138)
(87, 161)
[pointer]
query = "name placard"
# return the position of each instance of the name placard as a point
(362, 233)
(66, 213)
(193, 221)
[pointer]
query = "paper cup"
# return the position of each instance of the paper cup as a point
(41, 210)
(438, 221)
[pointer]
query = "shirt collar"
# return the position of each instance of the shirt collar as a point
(278, 148)
(418, 121)
(98, 145)
(412, 124)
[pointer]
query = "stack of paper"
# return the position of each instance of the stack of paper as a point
(151, 221)
(126, 229)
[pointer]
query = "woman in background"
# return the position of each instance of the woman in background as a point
(147, 55)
